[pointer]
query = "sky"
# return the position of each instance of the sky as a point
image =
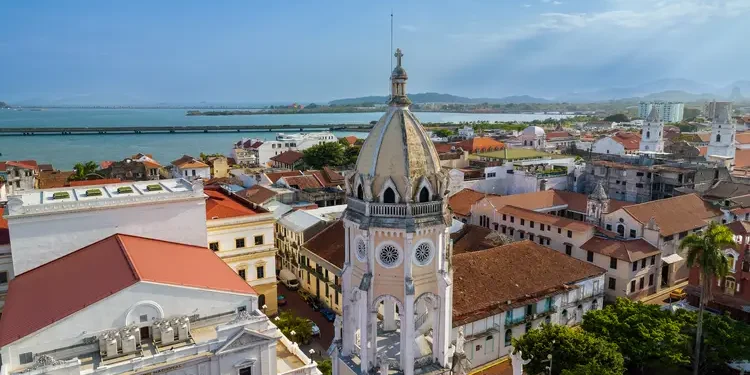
(145, 51)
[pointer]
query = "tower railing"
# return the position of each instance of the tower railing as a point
(395, 209)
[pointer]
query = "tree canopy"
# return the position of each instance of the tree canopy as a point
(618, 117)
(288, 322)
(443, 133)
(83, 170)
(570, 348)
(329, 154)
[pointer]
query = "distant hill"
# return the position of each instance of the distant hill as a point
(4, 105)
(433, 97)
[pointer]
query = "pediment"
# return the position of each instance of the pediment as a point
(246, 338)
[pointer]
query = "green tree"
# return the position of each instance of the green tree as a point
(288, 323)
(724, 339)
(325, 366)
(351, 154)
(443, 133)
(690, 114)
(570, 347)
(591, 368)
(647, 336)
(618, 117)
(325, 154)
(705, 251)
(82, 170)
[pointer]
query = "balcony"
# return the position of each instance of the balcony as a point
(514, 321)
(395, 209)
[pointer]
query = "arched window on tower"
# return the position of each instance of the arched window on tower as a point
(648, 135)
(424, 195)
(621, 230)
(718, 137)
(360, 192)
(389, 196)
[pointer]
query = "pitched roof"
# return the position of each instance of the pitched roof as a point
(704, 137)
(552, 220)
(25, 164)
(300, 220)
(702, 150)
(53, 179)
(471, 238)
(46, 167)
(742, 138)
(676, 214)
(219, 205)
(521, 272)
(726, 189)
(327, 177)
(288, 157)
(303, 182)
(329, 244)
(256, 194)
(64, 286)
(462, 201)
(187, 161)
(630, 141)
(558, 134)
(741, 158)
(442, 148)
(627, 250)
(481, 144)
(739, 227)
(275, 176)
(550, 198)
(4, 232)
(351, 140)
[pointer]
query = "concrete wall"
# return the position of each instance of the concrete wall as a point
(39, 239)
(607, 145)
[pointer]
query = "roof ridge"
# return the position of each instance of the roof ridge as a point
(124, 250)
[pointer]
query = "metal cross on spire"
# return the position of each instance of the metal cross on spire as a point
(398, 55)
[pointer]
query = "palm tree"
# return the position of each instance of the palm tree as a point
(82, 170)
(706, 251)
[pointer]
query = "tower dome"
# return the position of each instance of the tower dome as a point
(397, 154)
(534, 131)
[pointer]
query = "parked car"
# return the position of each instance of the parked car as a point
(305, 295)
(314, 303)
(677, 294)
(288, 279)
(328, 314)
(315, 328)
(281, 300)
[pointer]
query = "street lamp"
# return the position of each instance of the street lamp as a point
(549, 359)
(264, 307)
(312, 353)
(277, 318)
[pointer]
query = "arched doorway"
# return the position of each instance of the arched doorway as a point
(261, 301)
(388, 312)
(621, 230)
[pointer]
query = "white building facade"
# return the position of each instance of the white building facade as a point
(723, 131)
(652, 138)
(264, 150)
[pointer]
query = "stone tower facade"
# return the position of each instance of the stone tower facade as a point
(652, 134)
(397, 278)
(597, 205)
(723, 130)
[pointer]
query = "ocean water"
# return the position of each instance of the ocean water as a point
(63, 151)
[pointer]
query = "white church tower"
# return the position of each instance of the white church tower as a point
(723, 130)
(397, 278)
(652, 138)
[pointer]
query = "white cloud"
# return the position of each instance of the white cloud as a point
(409, 28)
(556, 2)
(526, 5)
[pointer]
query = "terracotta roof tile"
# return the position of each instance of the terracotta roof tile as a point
(702, 150)
(275, 176)
(741, 158)
(704, 137)
(630, 141)
(520, 272)
(303, 182)
(222, 206)
(53, 179)
(187, 161)
(351, 140)
(64, 286)
(674, 215)
(329, 244)
(26, 164)
(443, 148)
(627, 250)
(4, 232)
(552, 220)
(322, 178)
(101, 181)
(726, 189)
(471, 238)
(46, 167)
(481, 144)
(256, 194)
(739, 227)
(462, 201)
(743, 138)
(288, 157)
(551, 136)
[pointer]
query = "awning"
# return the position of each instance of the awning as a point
(669, 259)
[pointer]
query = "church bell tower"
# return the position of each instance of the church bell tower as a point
(397, 278)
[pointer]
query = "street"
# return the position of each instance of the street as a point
(298, 307)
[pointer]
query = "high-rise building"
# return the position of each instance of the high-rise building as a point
(668, 111)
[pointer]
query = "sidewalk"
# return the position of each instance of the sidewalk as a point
(659, 297)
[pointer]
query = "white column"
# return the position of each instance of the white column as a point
(407, 337)
(363, 312)
(389, 318)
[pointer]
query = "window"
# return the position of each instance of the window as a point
(508, 337)
(590, 256)
(684, 234)
(632, 286)
(570, 234)
(496, 226)
(746, 266)
(730, 262)
(730, 285)
(568, 249)
(424, 195)
(632, 233)
(143, 318)
(651, 279)
(640, 283)
(242, 274)
(258, 240)
(28, 357)
(336, 297)
(489, 344)
(668, 238)
(523, 222)
(239, 243)
(512, 219)
(360, 192)
(504, 217)
(512, 231)
(541, 240)
(635, 266)
(541, 227)
(193, 170)
(643, 263)
(612, 283)
(559, 230)
(639, 185)
(260, 272)
(653, 260)
(531, 224)
(214, 246)
(521, 234)
(262, 301)
(3, 277)
(389, 196)
(613, 263)
(503, 229)
(609, 227)
(531, 237)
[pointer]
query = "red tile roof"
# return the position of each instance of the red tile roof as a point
(702, 150)
(443, 148)
(676, 214)
(462, 201)
(26, 164)
(288, 157)
(4, 232)
(472, 238)
(351, 140)
(187, 161)
(627, 250)
(743, 138)
(522, 272)
(222, 206)
(480, 144)
(324, 177)
(303, 182)
(630, 141)
(275, 176)
(53, 179)
(101, 181)
(256, 194)
(742, 158)
(329, 244)
(64, 286)
(557, 134)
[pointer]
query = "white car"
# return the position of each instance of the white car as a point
(315, 328)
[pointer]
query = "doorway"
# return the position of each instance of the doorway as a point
(145, 333)
(665, 275)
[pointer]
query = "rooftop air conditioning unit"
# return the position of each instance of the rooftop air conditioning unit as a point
(128, 344)
(167, 334)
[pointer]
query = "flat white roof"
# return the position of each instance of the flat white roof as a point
(77, 197)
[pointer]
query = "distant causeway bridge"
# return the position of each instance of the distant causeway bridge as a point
(97, 130)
